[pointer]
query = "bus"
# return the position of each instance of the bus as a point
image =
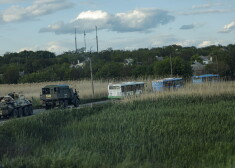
(205, 78)
(124, 89)
(166, 84)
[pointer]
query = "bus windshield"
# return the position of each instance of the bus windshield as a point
(114, 87)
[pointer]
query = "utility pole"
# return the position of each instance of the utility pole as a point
(76, 47)
(92, 84)
(96, 39)
(171, 65)
(217, 65)
(85, 40)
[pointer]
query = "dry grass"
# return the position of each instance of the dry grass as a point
(33, 90)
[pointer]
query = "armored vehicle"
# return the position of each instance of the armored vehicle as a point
(13, 105)
(59, 96)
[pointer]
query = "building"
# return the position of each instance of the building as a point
(198, 68)
(82, 64)
(128, 61)
(206, 59)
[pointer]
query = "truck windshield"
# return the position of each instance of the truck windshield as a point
(45, 91)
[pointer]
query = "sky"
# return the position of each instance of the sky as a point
(122, 24)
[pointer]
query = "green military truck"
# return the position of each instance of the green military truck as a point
(14, 105)
(59, 96)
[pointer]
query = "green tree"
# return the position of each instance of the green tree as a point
(11, 75)
(179, 67)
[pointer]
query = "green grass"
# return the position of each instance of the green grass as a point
(190, 132)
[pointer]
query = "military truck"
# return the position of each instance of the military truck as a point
(59, 96)
(14, 105)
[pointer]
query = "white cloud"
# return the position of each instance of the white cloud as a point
(55, 47)
(209, 5)
(228, 28)
(208, 11)
(136, 20)
(10, 1)
(207, 43)
(186, 43)
(38, 8)
(92, 15)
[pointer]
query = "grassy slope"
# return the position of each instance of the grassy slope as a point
(170, 132)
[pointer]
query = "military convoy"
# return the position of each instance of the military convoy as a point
(14, 105)
(59, 96)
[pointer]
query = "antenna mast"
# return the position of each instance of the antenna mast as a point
(96, 39)
(76, 48)
(85, 40)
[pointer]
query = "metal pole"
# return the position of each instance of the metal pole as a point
(171, 65)
(92, 84)
(85, 40)
(217, 65)
(76, 48)
(96, 39)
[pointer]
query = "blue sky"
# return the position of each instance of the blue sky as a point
(123, 24)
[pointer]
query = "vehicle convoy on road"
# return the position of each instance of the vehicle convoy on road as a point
(59, 96)
(14, 105)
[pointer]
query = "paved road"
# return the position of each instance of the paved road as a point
(37, 111)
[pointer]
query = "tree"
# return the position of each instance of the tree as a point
(179, 67)
(11, 75)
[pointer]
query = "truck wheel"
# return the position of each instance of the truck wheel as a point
(76, 103)
(47, 107)
(26, 111)
(30, 110)
(15, 113)
(63, 104)
(21, 112)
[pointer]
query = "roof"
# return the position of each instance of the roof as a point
(53, 86)
(126, 83)
(168, 79)
(207, 75)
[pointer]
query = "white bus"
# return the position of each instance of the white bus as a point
(121, 90)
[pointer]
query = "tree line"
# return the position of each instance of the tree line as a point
(40, 66)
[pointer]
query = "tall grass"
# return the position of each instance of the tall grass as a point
(189, 89)
(33, 90)
(170, 131)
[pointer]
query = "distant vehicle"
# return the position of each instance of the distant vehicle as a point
(124, 89)
(167, 83)
(206, 78)
(59, 96)
(14, 105)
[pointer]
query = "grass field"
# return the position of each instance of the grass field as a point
(33, 90)
(191, 128)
